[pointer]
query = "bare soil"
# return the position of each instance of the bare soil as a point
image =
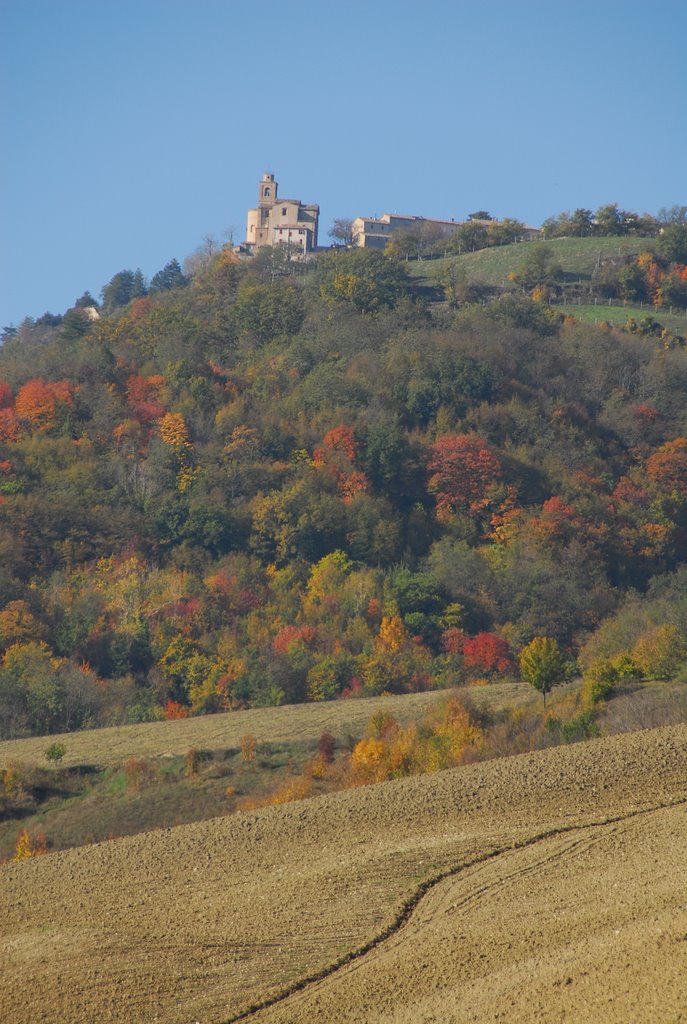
(544, 887)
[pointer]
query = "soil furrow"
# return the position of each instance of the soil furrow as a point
(205, 922)
(409, 910)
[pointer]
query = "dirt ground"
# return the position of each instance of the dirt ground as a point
(545, 887)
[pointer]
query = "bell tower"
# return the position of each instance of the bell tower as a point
(267, 190)
(278, 221)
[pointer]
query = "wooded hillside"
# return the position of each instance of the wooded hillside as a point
(263, 485)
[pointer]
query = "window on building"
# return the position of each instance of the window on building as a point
(267, 193)
(283, 211)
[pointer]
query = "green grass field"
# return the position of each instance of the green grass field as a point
(618, 315)
(577, 256)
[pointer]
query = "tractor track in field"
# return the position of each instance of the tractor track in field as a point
(414, 903)
(558, 876)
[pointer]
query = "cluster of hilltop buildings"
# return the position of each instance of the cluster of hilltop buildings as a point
(276, 221)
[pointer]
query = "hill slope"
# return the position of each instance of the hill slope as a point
(577, 256)
(199, 922)
(288, 723)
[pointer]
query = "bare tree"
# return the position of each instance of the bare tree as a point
(201, 257)
(415, 241)
(342, 230)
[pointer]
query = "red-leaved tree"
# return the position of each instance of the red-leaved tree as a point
(463, 469)
(337, 455)
(487, 652)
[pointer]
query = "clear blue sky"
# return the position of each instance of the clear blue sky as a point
(130, 130)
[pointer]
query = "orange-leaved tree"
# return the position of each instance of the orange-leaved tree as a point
(463, 468)
(667, 467)
(38, 402)
(337, 455)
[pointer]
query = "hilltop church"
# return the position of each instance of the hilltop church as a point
(276, 221)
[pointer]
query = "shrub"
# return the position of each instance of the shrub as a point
(27, 846)
(248, 747)
(381, 725)
(55, 752)
(12, 780)
(599, 681)
(291, 789)
(367, 757)
(326, 746)
(660, 652)
(581, 727)
(137, 771)
(192, 762)
(604, 674)
(317, 768)
(174, 710)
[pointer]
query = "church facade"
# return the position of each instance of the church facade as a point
(276, 221)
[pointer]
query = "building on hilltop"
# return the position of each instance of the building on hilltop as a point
(375, 232)
(276, 221)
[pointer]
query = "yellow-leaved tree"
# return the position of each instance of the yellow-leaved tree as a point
(542, 664)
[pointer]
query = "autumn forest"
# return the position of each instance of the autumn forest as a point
(254, 482)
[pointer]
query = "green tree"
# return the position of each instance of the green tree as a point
(674, 290)
(122, 288)
(171, 276)
(632, 282)
(504, 232)
(581, 223)
(538, 266)
(610, 220)
(274, 261)
(30, 684)
(672, 243)
(367, 279)
(75, 323)
(542, 664)
(672, 215)
(468, 237)
(267, 311)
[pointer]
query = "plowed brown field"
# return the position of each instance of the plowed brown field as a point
(545, 887)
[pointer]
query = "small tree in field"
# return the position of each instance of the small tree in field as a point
(248, 748)
(55, 752)
(326, 746)
(28, 846)
(542, 665)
